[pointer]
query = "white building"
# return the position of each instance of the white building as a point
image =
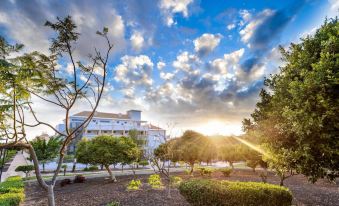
(115, 125)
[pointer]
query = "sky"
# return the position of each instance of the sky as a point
(187, 64)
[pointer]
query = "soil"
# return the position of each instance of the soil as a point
(100, 191)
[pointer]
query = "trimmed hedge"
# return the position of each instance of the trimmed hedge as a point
(12, 191)
(201, 192)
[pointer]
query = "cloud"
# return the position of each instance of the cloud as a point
(206, 43)
(222, 65)
(186, 62)
(137, 41)
(230, 26)
(171, 7)
(134, 71)
(166, 76)
(161, 65)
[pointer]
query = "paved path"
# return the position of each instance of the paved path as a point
(19, 159)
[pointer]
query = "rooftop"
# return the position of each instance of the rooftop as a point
(102, 115)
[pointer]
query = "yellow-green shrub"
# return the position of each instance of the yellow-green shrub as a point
(226, 171)
(201, 192)
(155, 181)
(205, 171)
(12, 191)
(134, 185)
(175, 181)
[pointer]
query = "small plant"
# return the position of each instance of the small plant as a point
(25, 168)
(134, 185)
(205, 171)
(226, 171)
(187, 172)
(114, 203)
(155, 181)
(79, 179)
(65, 182)
(175, 181)
(93, 168)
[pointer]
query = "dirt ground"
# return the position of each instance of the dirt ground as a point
(99, 192)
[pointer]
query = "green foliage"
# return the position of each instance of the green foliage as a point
(114, 203)
(46, 151)
(205, 171)
(297, 118)
(134, 185)
(226, 171)
(64, 166)
(93, 168)
(155, 181)
(175, 181)
(25, 168)
(9, 154)
(225, 193)
(12, 191)
(143, 163)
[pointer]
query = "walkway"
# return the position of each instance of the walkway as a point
(19, 159)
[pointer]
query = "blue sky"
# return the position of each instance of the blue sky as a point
(195, 64)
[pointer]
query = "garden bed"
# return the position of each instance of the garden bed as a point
(99, 191)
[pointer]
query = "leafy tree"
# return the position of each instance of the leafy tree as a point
(297, 116)
(140, 142)
(25, 168)
(107, 150)
(46, 150)
(36, 74)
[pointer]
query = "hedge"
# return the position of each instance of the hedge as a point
(12, 191)
(201, 192)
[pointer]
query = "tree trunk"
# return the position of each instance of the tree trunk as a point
(74, 164)
(102, 167)
(192, 168)
(51, 201)
(43, 167)
(282, 178)
(111, 175)
(64, 171)
(231, 164)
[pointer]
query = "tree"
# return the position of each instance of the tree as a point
(25, 168)
(46, 150)
(190, 149)
(107, 150)
(231, 151)
(36, 74)
(140, 142)
(297, 116)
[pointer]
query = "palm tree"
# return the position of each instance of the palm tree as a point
(46, 150)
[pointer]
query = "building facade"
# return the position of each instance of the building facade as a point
(115, 125)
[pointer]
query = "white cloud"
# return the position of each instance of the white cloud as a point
(223, 65)
(137, 41)
(247, 32)
(206, 43)
(135, 70)
(186, 62)
(161, 65)
(230, 26)
(334, 5)
(166, 76)
(171, 7)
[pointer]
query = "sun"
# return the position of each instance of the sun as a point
(217, 127)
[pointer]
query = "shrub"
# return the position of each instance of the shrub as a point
(143, 163)
(155, 181)
(65, 182)
(134, 185)
(226, 171)
(175, 181)
(24, 168)
(114, 203)
(79, 179)
(12, 191)
(93, 168)
(205, 171)
(225, 193)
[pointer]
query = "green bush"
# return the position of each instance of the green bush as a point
(205, 171)
(93, 168)
(9, 155)
(201, 192)
(143, 163)
(114, 203)
(226, 171)
(12, 191)
(155, 181)
(175, 181)
(134, 185)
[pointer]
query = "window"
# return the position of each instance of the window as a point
(104, 121)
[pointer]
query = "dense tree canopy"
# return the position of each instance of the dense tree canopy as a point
(107, 150)
(297, 117)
